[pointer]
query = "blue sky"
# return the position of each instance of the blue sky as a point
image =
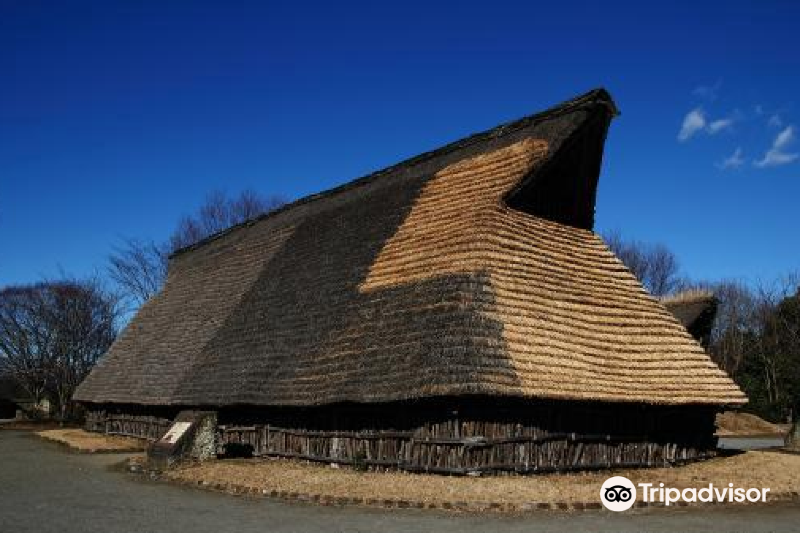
(118, 117)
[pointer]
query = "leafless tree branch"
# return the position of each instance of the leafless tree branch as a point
(139, 268)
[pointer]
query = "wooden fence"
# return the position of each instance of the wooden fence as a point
(456, 446)
(139, 426)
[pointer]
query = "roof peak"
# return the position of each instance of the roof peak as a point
(598, 97)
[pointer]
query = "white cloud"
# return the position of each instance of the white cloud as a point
(694, 121)
(708, 92)
(784, 138)
(775, 121)
(777, 154)
(775, 158)
(719, 125)
(733, 161)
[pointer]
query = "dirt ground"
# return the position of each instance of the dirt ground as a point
(779, 472)
(86, 442)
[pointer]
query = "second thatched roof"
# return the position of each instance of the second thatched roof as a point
(696, 310)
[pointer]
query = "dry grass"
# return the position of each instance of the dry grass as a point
(84, 441)
(732, 423)
(779, 472)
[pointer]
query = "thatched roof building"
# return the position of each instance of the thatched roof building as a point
(696, 310)
(469, 272)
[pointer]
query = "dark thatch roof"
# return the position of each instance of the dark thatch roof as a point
(696, 310)
(468, 270)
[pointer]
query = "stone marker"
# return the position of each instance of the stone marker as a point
(191, 436)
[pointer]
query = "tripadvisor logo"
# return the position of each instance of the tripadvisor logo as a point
(618, 493)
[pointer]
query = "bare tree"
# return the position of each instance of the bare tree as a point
(663, 270)
(219, 213)
(83, 319)
(652, 264)
(25, 340)
(52, 333)
(139, 268)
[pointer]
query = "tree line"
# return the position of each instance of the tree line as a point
(54, 331)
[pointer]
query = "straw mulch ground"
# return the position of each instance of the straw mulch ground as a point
(732, 423)
(779, 472)
(28, 425)
(86, 442)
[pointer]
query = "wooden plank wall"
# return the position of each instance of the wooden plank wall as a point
(473, 436)
(501, 449)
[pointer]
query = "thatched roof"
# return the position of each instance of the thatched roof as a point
(696, 310)
(468, 270)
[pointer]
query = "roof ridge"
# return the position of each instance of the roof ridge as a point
(598, 96)
(688, 296)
